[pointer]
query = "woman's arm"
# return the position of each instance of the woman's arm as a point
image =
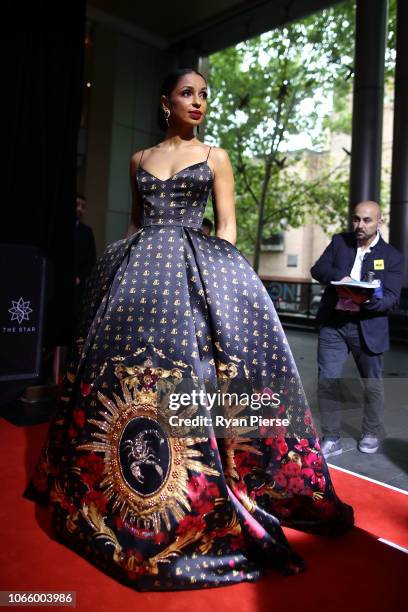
(224, 196)
(136, 212)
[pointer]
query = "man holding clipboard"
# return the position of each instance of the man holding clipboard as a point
(353, 317)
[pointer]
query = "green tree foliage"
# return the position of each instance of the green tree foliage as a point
(267, 90)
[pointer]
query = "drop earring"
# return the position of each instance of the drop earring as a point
(166, 115)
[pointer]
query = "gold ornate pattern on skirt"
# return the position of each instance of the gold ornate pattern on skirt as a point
(146, 469)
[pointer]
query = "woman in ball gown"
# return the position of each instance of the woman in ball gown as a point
(155, 500)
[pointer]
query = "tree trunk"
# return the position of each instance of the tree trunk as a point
(261, 215)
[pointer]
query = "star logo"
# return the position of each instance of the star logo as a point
(20, 310)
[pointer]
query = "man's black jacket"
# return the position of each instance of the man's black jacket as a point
(387, 264)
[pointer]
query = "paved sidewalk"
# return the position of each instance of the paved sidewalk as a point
(390, 463)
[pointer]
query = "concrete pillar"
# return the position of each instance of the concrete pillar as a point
(368, 98)
(399, 181)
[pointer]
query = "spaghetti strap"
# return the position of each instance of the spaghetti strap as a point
(209, 151)
(141, 157)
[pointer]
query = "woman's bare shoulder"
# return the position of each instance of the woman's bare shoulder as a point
(219, 154)
(136, 157)
(219, 158)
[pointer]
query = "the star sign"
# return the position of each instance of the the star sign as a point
(20, 310)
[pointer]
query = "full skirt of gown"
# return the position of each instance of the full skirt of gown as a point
(164, 510)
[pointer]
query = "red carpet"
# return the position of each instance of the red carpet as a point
(377, 509)
(354, 571)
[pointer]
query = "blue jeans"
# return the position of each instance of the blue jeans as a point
(336, 340)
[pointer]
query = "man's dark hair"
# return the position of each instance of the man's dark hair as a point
(81, 196)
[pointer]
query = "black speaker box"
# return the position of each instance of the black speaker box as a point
(22, 311)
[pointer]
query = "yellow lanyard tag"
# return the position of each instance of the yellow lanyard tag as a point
(378, 264)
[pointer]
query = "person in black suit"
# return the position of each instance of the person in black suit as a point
(84, 254)
(358, 324)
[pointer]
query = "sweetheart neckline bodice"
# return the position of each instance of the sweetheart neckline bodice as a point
(176, 173)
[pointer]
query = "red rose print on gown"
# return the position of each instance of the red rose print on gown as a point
(191, 523)
(85, 389)
(97, 499)
(202, 493)
(245, 462)
(79, 418)
(92, 468)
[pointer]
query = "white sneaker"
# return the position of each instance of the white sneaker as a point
(368, 443)
(330, 448)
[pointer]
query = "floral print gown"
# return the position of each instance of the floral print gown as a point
(160, 510)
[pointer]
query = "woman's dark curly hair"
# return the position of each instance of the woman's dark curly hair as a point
(169, 83)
